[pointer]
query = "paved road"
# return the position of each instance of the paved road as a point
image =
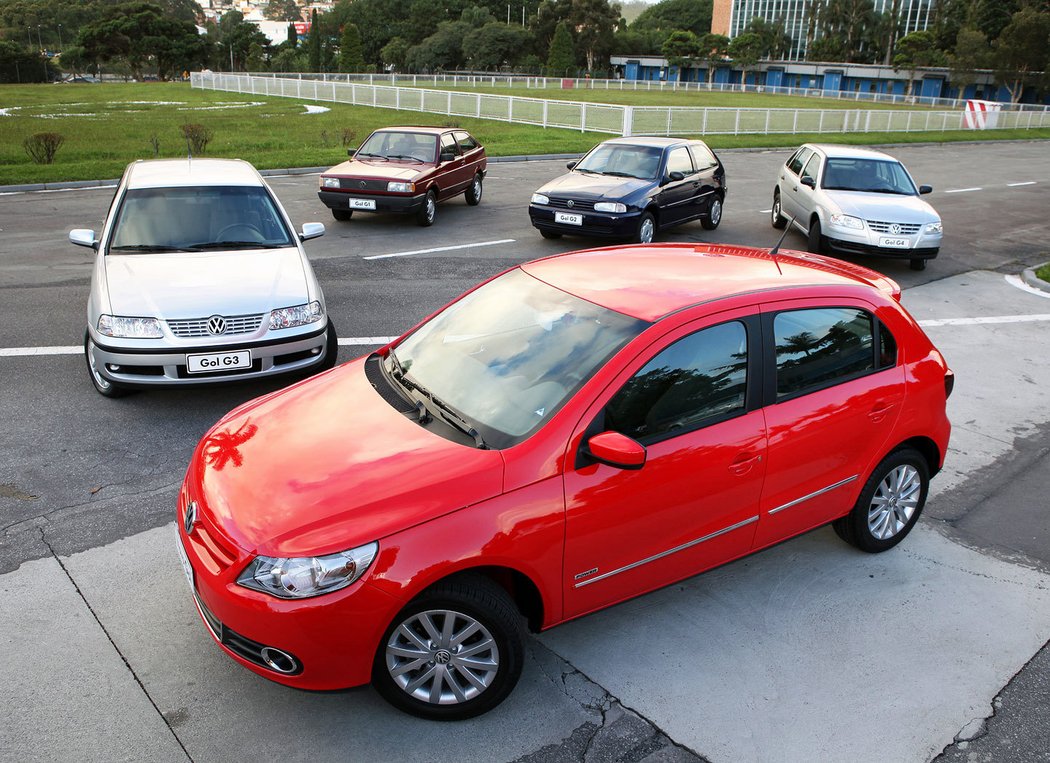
(795, 654)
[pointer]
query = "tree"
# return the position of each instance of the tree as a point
(494, 44)
(282, 10)
(313, 43)
(776, 43)
(395, 52)
(441, 50)
(971, 53)
(676, 15)
(681, 49)
(235, 39)
(382, 21)
(746, 51)
(916, 51)
(842, 30)
(594, 21)
(1022, 51)
(562, 57)
(351, 53)
(19, 64)
(293, 37)
(992, 16)
(256, 61)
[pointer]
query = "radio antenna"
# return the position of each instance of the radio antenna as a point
(773, 252)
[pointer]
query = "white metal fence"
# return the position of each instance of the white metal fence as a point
(606, 117)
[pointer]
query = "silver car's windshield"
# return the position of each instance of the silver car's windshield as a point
(868, 175)
(509, 354)
(198, 219)
(622, 161)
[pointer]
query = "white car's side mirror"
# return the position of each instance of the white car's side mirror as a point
(86, 237)
(310, 230)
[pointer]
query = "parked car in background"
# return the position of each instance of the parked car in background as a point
(631, 188)
(199, 278)
(572, 433)
(406, 170)
(856, 201)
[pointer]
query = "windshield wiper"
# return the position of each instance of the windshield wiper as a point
(232, 245)
(370, 156)
(145, 248)
(405, 156)
(447, 413)
(621, 174)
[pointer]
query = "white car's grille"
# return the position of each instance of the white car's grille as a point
(216, 325)
(902, 229)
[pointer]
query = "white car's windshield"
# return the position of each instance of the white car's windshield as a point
(867, 175)
(420, 147)
(505, 357)
(197, 219)
(622, 161)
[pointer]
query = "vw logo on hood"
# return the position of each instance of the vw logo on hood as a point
(190, 519)
(216, 325)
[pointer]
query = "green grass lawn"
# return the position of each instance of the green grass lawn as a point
(1043, 272)
(107, 126)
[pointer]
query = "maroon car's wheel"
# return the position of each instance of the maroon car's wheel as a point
(454, 652)
(473, 194)
(428, 212)
(342, 215)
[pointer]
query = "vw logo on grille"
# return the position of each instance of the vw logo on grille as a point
(895, 229)
(216, 325)
(191, 517)
(570, 203)
(363, 184)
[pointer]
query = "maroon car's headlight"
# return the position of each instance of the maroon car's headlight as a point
(300, 578)
(395, 187)
(329, 182)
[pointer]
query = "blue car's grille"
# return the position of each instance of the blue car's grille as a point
(576, 204)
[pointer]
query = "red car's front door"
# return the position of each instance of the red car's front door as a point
(694, 503)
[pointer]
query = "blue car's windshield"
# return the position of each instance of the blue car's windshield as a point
(622, 161)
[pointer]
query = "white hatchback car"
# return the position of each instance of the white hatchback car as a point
(199, 278)
(856, 201)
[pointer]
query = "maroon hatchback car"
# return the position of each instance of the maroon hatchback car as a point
(406, 170)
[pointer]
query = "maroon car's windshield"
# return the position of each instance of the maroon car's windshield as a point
(401, 146)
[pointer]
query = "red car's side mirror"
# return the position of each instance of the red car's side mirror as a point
(615, 449)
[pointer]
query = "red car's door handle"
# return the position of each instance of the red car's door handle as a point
(878, 413)
(744, 463)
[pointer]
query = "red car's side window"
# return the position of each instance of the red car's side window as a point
(821, 346)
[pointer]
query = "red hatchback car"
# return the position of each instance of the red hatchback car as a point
(574, 432)
(406, 170)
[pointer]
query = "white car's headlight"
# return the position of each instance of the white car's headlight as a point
(934, 227)
(539, 198)
(393, 187)
(299, 315)
(847, 221)
(129, 328)
(329, 182)
(610, 206)
(303, 577)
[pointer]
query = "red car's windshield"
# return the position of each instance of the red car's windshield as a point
(421, 147)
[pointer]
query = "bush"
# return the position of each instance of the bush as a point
(197, 137)
(348, 137)
(43, 146)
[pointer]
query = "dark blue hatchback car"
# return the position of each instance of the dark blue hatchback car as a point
(631, 188)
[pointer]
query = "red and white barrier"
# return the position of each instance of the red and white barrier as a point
(981, 115)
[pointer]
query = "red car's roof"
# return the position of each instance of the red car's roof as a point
(651, 281)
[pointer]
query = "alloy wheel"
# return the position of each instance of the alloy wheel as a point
(894, 502)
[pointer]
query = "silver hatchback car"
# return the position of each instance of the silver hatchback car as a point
(856, 201)
(200, 278)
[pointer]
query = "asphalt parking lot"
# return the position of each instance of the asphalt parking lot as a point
(809, 651)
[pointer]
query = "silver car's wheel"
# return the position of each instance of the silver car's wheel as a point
(442, 657)
(889, 503)
(102, 385)
(894, 502)
(453, 652)
(776, 216)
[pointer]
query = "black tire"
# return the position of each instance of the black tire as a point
(331, 347)
(549, 234)
(713, 217)
(816, 239)
(102, 385)
(465, 598)
(918, 263)
(646, 232)
(342, 215)
(880, 501)
(473, 194)
(776, 218)
(426, 214)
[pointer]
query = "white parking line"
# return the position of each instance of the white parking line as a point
(1027, 182)
(366, 340)
(964, 190)
(438, 249)
(986, 320)
(19, 352)
(764, 211)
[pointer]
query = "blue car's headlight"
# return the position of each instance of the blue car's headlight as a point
(610, 206)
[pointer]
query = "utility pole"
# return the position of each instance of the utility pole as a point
(60, 45)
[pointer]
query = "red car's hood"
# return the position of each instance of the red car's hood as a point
(379, 169)
(327, 465)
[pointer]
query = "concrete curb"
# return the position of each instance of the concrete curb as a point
(1030, 278)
